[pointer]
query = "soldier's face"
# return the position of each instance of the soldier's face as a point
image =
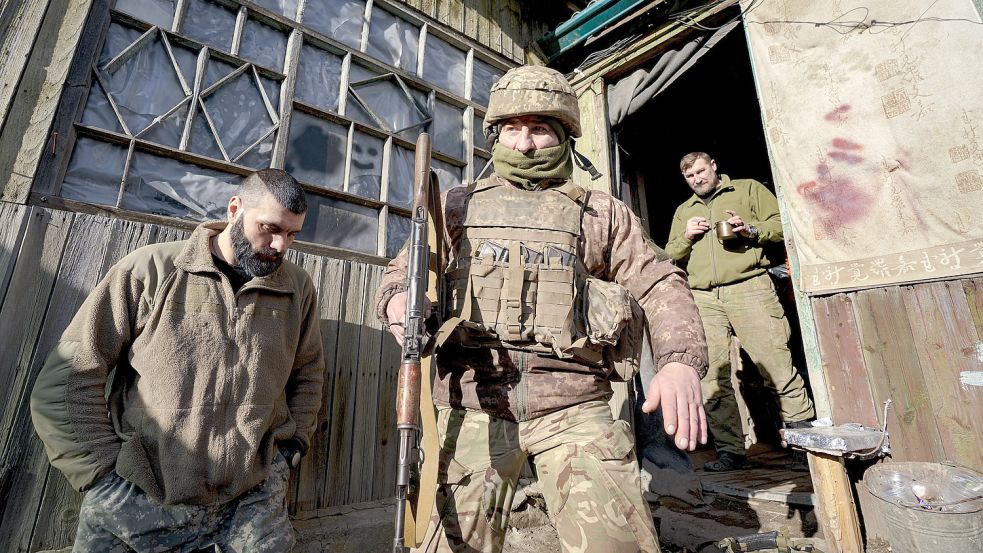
(702, 176)
(262, 233)
(527, 133)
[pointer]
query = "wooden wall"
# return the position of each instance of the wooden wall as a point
(50, 260)
(921, 346)
(499, 25)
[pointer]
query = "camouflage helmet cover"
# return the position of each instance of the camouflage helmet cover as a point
(534, 90)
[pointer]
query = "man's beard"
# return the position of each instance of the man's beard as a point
(247, 258)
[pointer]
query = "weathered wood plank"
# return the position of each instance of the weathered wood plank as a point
(842, 361)
(18, 32)
(482, 12)
(495, 10)
(385, 423)
(455, 14)
(346, 386)
(78, 273)
(946, 341)
(365, 461)
(15, 217)
(471, 18)
(302, 495)
(332, 286)
(895, 373)
(38, 92)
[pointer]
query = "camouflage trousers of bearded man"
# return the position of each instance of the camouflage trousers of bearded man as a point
(585, 464)
(118, 517)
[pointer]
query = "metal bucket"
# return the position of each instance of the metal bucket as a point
(928, 507)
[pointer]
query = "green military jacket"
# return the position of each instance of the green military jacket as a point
(710, 262)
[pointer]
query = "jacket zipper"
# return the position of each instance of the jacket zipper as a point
(713, 257)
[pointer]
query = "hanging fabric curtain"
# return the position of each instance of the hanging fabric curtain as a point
(632, 92)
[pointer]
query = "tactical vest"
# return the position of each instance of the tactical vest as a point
(544, 302)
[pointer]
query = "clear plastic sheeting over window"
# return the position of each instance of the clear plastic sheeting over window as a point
(272, 88)
(168, 131)
(118, 37)
(239, 113)
(478, 130)
(340, 224)
(155, 12)
(448, 129)
(341, 20)
(166, 186)
(448, 175)
(210, 23)
(95, 172)
(263, 45)
(482, 166)
(286, 8)
(145, 85)
(260, 156)
(393, 40)
(483, 76)
(401, 177)
(216, 70)
(187, 62)
(202, 140)
(390, 103)
(98, 112)
(399, 233)
(444, 65)
(365, 173)
(319, 78)
(316, 151)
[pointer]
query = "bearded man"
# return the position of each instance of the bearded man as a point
(542, 285)
(188, 384)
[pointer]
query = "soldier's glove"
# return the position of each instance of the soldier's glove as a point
(292, 451)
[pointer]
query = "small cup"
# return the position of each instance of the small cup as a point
(725, 231)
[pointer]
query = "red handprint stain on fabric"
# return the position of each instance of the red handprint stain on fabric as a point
(839, 200)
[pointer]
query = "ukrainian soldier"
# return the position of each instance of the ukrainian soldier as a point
(209, 352)
(735, 296)
(547, 286)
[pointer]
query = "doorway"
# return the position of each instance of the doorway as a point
(712, 107)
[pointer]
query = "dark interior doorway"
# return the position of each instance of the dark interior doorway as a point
(713, 107)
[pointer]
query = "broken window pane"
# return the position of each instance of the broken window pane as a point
(168, 131)
(365, 175)
(448, 175)
(481, 166)
(155, 12)
(399, 233)
(239, 114)
(145, 86)
(260, 156)
(479, 132)
(202, 140)
(316, 151)
(165, 186)
(444, 65)
(388, 101)
(210, 23)
(341, 224)
(187, 60)
(264, 45)
(338, 19)
(215, 71)
(483, 77)
(401, 177)
(286, 8)
(118, 37)
(393, 40)
(95, 172)
(98, 112)
(448, 129)
(319, 78)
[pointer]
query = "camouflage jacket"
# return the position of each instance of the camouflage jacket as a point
(519, 386)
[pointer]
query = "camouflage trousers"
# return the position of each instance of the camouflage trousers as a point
(584, 462)
(116, 517)
(751, 311)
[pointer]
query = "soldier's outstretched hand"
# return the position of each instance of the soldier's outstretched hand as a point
(677, 388)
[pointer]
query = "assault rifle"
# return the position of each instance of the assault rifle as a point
(416, 473)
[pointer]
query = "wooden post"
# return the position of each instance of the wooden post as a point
(835, 508)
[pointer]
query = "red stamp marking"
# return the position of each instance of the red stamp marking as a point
(846, 158)
(844, 144)
(838, 115)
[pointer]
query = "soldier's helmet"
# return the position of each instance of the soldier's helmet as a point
(534, 90)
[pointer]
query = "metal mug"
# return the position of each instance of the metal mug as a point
(725, 231)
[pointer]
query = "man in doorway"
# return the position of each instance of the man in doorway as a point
(517, 379)
(188, 383)
(735, 296)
